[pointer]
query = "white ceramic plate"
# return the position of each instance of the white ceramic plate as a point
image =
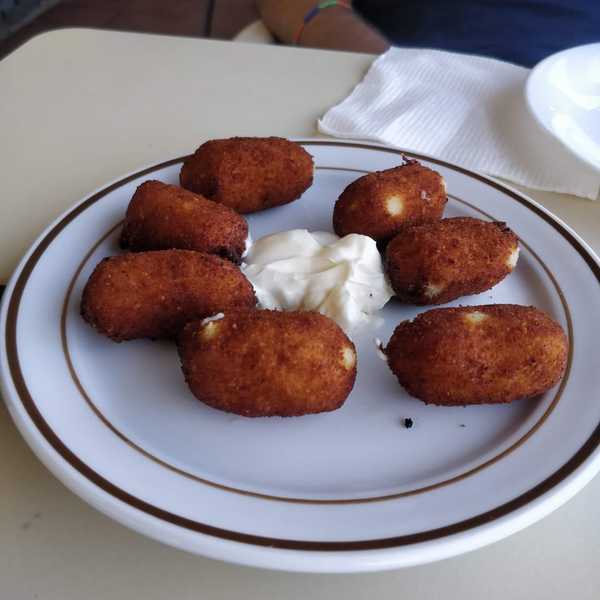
(351, 490)
(563, 93)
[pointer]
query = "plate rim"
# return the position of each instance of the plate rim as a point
(59, 459)
(531, 81)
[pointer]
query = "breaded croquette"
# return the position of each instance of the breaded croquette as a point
(154, 294)
(382, 203)
(249, 174)
(438, 262)
(162, 216)
(262, 363)
(478, 354)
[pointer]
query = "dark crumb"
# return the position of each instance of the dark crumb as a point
(462, 425)
(408, 161)
(502, 226)
(408, 423)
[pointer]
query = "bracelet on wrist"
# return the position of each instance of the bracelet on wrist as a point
(314, 11)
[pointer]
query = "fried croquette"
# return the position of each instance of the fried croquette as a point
(249, 174)
(380, 204)
(262, 363)
(154, 294)
(438, 262)
(162, 216)
(478, 354)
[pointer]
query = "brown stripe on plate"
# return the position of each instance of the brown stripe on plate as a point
(535, 492)
(106, 421)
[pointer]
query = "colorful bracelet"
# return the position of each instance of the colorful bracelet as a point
(314, 11)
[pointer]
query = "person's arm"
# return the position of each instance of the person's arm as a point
(335, 28)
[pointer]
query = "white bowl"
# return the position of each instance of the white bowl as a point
(563, 94)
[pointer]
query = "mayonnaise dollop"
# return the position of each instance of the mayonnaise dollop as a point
(342, 278)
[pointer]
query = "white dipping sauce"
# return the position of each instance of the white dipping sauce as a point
(342, 278)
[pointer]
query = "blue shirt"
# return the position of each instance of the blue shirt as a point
(522, 32)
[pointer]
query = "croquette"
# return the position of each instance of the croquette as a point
(249, 174)
(154, 294)
(262, 363)
(438, 262)
(488, 354)
(162, 216)
(382, 203)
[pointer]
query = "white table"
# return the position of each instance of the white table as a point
(81, 107)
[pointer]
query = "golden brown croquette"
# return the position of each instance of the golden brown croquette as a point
(154, 294)
(249, 173)
(380, 204)
(262, 363)
(438, 262)
(162, 217)
(478, 354)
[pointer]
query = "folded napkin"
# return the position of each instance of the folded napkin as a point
(468, 110)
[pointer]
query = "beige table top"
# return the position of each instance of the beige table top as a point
(80, 107)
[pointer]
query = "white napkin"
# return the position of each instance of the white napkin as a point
(465, 109)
